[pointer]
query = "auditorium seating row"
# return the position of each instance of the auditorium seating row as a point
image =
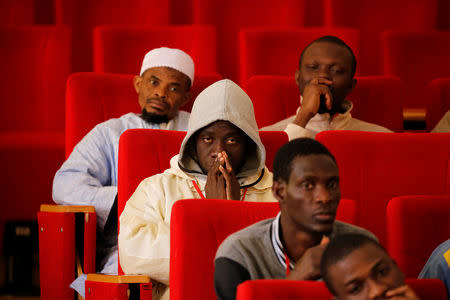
(377, 170)
(371, 17)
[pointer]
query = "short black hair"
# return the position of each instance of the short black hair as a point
(282, 163)
(333, 40)
(339, 248)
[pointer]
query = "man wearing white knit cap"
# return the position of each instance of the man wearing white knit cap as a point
(89, 175)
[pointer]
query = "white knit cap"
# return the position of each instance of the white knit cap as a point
(168, 57)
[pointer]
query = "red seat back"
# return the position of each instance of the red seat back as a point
(83, 15)
(35, 65)
(13, 12)
(239, 14)
(120, 49)
(418, 65)
(92, 98)
(375, 167)
(316, 290)
(438, 101)
(373, 17)
(370, 94)
(199, 227)
(269, 51)
(416, 225)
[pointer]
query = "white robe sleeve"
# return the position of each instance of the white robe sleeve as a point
(85, 177)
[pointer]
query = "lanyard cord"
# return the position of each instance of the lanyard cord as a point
(197, 188)
(288, 266)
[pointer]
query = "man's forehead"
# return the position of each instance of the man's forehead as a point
(221, 125)
(324, 50)
(314, 162)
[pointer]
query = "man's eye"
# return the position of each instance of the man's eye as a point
(311, 67)
(207, 139)
(354, 289)
(307, 185)
(174, 89)
(333, 184)
(232, 141)
(383, 271)
(153, 82)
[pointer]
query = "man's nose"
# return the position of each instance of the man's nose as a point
(376, 289)
(218, 146)
(322, 194)
(324, 73)
(160, 92)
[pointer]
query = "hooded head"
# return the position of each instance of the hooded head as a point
(223, 101)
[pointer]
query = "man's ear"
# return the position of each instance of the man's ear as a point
(137, 81)
(279, 190)
(297, 77)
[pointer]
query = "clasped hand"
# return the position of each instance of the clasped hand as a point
(221, 182)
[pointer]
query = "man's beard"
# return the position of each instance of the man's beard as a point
(153, 118)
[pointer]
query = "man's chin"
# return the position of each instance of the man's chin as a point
(154, 118)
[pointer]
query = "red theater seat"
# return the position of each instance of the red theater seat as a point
(416, 225)
(315, 290)
(373, 17)
(31, 116)
(83, 15)
(438, 101)
(35, 66)
(239, 14)
(93, 98)
(120, 49)
(13, 12)
(277, 97)
(375, 167)
(417, 65)
(199, 227)
(269, 51)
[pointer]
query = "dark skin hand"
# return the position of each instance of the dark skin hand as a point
(311, 100)
(308, 266)
(221, 182)
(403, 292)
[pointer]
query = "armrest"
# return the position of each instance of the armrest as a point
(101, 286)
(414, 114)
(62, 231)
(118, 278)
(67, 208)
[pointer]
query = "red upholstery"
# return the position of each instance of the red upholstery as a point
(427, 59)
(35, 66)
(374, 167)
(198, 228)
(120, 49)
(57, 252)
(93, 98)
(316, 290)
(268, 51)
(438, 101)
(370, 94)
(238, 14)
(83, 15)
(416, 225)
(16, 12)
(373, 17)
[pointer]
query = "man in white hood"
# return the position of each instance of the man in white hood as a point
(221, 157)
